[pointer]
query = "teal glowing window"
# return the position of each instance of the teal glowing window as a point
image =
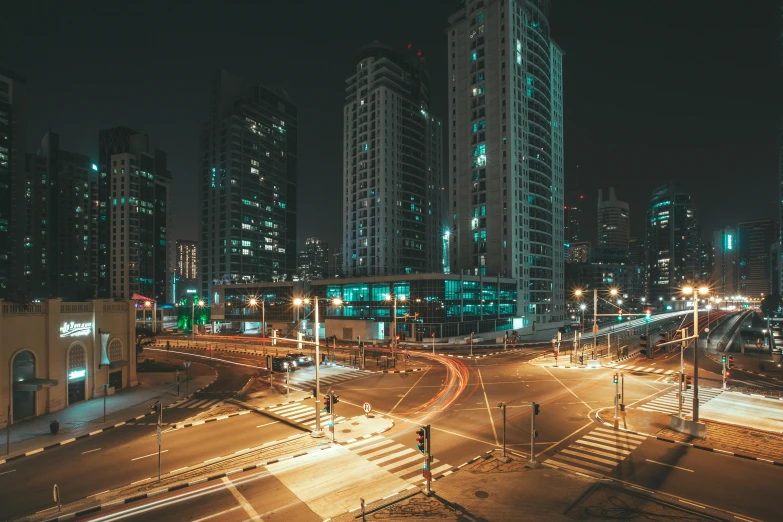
(480, 77)
(483, 235)
(480, 150)
(474, 55)
(480, 18)
(483, 210)
(475, 237)
(365, 146)
(480, 89)
(529, 80)
(530, 92)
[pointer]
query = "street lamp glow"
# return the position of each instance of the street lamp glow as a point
(578, 292)
(582, 306)
(252, 301)
(201, 302)
(613, 291)
(147, 304)
(703, 290)
(687, 290)
(619, 301)
(298, 302)
(337, 301)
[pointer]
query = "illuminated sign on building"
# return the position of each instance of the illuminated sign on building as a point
(77, 374)
(728, 242)
(75, 329)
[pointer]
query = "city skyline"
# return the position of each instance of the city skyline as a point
(634, 123)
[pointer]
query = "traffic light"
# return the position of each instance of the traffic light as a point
(334, 399)
(648, 313)
(688, 381)
(536, 408)
(615, 379)
(620, 315)
(327, 404)
(421, 437)
(723, 359)
(731, 361)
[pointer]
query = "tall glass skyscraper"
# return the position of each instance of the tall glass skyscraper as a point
(506, 150)
(392, 167)
(248, 184)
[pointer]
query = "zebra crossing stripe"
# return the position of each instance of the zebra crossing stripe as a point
(668, 372)
(382, 451)
(356, 444)
(559, 458)
(402, 463)
(381, 442)
(588, 456)
(393, 456)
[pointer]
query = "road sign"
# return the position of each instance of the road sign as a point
(367, 407)
(427, 474)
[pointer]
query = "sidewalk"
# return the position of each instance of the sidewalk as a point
(743, 441)
(86, 417)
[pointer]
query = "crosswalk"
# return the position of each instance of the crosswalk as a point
(303, 412)
(669, 403)
(197, 403)
(597, 452)
(641, 368)
(305, 378)
(404, 462)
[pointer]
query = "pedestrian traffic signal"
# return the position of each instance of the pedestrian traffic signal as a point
(688, 381)
(648, 313)
(421, 437)
(615, 380)
(723, 359)
(327, 404)
(536, 408)
(731, 361)
(334, 399)
(620, 315)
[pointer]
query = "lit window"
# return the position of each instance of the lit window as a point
(480, 18)
(474, 55)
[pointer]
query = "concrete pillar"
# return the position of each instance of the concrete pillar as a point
(133, 379)
(51, 363)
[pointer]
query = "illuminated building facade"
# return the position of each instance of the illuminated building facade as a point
(392, 166)
(186, 270)
(724, 262)
(506, 150)
(248, 184)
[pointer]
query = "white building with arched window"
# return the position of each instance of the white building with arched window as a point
(55, 354)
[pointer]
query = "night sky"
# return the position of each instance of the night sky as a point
(654, 91)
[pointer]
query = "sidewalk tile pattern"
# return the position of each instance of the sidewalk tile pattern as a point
(597, 452)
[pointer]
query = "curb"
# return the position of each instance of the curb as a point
(367, 436)
(96, 432)
(482, 355)
(691, 445)
(214, 419)
(143, 496)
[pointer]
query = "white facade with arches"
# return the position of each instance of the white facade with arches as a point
(54, 354)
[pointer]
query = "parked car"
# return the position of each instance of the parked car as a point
(301, 359)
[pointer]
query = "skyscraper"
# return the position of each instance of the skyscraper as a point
(754, 271)
(613, 224)
(12, 173)
(724, 266)
(130, 214)
(673, 242)
(248, 184)
(186, 269)
(573, 223)
(506, 150)
(57, 204)
(314, 260)
(392, 166)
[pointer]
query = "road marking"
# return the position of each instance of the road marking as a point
(489, 410)
(691, 503)
(7, 472)
(150, 455)
(669, 465)
(241, 499)
(410, 389)
(90, 451)
(217, 514)
(267, 424)
(101, 493)
(140, 481)
(180, 469)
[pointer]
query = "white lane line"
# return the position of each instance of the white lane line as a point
(101, 493)
(670, 466)
(241, 499)
(180, 469)
(150, 455)
(489, 410)
(90, 451)
(218, 514)
(7, 472)
(267, 424)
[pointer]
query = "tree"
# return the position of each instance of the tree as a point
(770, 304)
(144, 337)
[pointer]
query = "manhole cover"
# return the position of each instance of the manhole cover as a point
(482, 494)
(345, 431)
(354, 424)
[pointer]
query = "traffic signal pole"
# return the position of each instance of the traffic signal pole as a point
(533, 463)
(696, 358)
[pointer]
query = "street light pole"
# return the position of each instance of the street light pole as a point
(317, 432)
(192, 318)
